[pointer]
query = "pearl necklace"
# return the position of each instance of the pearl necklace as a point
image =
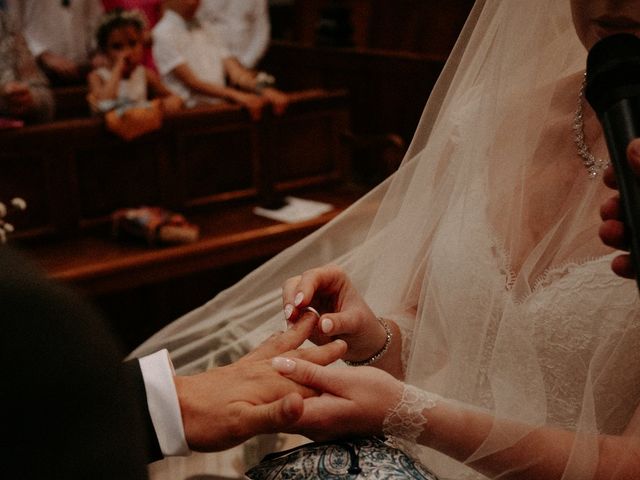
(593, 165)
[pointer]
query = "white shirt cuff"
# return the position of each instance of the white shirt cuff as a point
(162, 399)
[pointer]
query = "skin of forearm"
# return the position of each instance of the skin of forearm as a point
(212, 90)
(191, 80)
(156, 87)
(239, 75)
(619, 457)
(541, 453)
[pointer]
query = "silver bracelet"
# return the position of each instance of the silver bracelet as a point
(376, 356)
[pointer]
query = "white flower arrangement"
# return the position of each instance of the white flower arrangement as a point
(6, 228)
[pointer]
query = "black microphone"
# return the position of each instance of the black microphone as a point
(613, 90)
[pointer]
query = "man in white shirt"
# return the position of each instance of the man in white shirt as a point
(244, 26)
(194, 62)
(60, 34)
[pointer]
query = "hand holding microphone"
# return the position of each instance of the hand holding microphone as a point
(612, 230)
(613, 90)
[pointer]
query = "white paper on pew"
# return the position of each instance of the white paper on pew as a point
(296, 210)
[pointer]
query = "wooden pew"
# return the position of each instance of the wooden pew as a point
(214, 165)
(231, 234)
(387, 90)
(71, 102)
(74, 173)
(418, 26)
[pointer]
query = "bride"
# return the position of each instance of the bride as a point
(516, 344)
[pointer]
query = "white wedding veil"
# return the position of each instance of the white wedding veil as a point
(483, 247)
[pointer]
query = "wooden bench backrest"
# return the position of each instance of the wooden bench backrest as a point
(74, 173)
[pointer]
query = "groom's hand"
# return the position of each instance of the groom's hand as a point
(225, 406)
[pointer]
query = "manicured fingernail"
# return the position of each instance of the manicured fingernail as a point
(298, 300)
(283, 365)
(288, 310)
(326, 325)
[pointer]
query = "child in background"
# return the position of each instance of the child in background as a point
(126, 82)
(152, 11)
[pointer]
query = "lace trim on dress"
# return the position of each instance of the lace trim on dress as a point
(552, 274)
(404, 422)
(544, 280)
(503, 259)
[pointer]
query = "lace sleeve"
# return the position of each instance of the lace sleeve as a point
(404, 422)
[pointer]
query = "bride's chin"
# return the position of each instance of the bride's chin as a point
(603, 30)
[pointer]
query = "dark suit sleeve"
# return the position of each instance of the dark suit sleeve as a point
(132, 369)
(70, 409)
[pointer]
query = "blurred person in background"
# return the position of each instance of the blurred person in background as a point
(245, 27)
(194, 62)
(60, 35)
(24, 90)
(125, 81)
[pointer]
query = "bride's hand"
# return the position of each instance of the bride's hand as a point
(227, 405)
(354, 400)
(343, 312)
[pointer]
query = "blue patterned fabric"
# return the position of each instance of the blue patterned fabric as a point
(370, 458)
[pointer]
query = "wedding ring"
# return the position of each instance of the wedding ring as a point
(312, 310)
(304, 310)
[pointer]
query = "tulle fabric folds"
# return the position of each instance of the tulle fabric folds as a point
(484, 247)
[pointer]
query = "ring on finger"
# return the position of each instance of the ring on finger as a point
(312, 310)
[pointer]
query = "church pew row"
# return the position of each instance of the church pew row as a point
(213, 164)
(71, 102)
(230, 235)
(74, 173)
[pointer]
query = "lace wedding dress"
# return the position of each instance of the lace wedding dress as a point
(575, 314)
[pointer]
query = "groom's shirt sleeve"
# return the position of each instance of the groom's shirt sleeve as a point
(166, 430)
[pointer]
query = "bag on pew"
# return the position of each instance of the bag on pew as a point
(153, 224)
